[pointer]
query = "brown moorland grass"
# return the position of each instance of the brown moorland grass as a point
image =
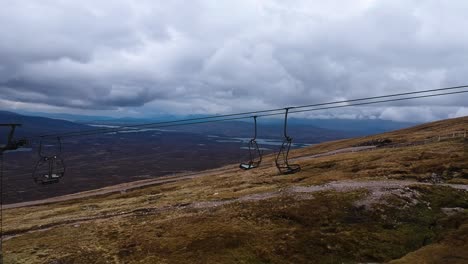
(155, 225)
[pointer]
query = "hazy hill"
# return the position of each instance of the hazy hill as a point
(349, 126)
(302, 130)
(35, 125)
(405, 201)
(354, 126)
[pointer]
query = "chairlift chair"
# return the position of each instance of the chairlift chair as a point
(50, 168)
(282, 157)
(255, 154)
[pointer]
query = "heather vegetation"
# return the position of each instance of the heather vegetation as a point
(405, 203)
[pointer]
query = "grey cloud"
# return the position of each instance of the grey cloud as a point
(218, 57)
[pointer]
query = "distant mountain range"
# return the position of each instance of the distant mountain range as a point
(34, 125)
(305, 130)
(356, 126)
(362, 126)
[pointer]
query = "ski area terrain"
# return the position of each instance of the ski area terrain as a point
(397, 197)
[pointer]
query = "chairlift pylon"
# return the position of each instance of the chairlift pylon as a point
(281, 160)
(255, 154)
(49, 168)
(12, 144)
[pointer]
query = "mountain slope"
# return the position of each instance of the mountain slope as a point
(405, 200)
(34, 125)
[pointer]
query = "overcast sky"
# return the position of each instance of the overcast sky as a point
(143, 58)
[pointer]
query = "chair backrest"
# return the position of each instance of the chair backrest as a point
(49, 170)
(255, 154)
(281, 160)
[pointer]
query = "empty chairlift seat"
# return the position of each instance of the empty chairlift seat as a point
(255, 154)
(50, 168)
(281, 160)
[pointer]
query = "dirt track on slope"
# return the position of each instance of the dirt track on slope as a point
(120, 188)
(377, 191)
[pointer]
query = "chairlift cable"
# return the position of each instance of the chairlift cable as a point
(158, 125)
(56, 167)
(243, 115)
(381, 101)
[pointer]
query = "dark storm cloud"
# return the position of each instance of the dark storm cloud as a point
(217, 57)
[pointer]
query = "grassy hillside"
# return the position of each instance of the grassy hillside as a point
(378, 205)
